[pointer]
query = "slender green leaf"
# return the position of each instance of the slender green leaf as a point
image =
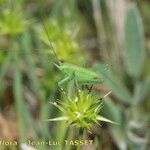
(117, 87)
(141, 91)
(27, 49)
(112, 110)
(134, 42)
(21, 111)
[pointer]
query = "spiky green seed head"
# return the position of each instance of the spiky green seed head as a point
(81, 110)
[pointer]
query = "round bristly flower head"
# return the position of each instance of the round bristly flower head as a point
(12, 22)
(81, 110)
(62, 39)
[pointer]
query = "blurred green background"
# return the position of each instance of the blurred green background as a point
(85, 33)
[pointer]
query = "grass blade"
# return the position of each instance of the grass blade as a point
(17, 90)
(3, 70)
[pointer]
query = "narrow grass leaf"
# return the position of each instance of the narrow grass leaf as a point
(19, 98)
(27, 49)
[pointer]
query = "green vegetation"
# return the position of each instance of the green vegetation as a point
(84, 33)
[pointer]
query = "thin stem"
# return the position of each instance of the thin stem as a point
(81, 131)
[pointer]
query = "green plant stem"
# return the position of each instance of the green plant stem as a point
(61, 133)
(81, 131)
(69, 137)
